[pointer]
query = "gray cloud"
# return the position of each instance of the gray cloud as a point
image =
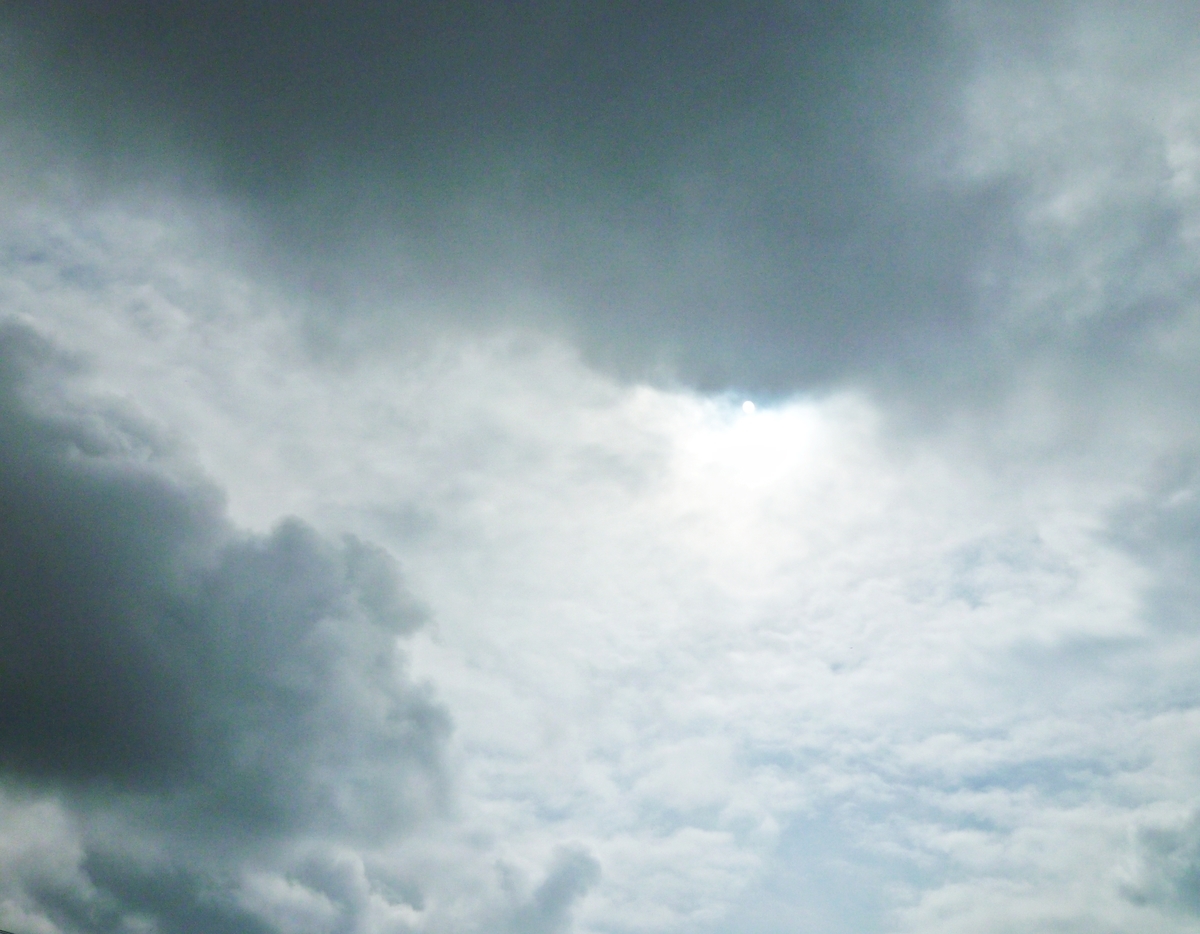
(916, 197)
(1170, 867)
(185, 687)
(548, 910)
(736, 191)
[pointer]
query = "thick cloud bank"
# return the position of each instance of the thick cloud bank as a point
(735, 191)
(195, 700)
(906, 646)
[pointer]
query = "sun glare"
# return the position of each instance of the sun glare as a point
(755, 450)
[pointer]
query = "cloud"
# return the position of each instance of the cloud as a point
(734, 195)
(1170, 866)
(911, 647)
(571, 874)
(193, 697)
(712, 651)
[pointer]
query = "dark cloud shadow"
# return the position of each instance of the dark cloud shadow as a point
(211, 692)
(736, 193)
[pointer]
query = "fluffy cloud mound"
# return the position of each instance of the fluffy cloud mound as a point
(188, 700)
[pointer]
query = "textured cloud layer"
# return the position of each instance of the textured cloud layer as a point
(910, 647)
(708, 669)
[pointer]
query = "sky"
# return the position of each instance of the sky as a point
(599, 468)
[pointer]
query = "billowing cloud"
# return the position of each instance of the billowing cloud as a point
(908, 645)
(194, 698)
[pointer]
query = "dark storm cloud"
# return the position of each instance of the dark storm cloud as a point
(178, 900)
(726, 186)
(214, 693)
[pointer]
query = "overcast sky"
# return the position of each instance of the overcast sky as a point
(599, 468)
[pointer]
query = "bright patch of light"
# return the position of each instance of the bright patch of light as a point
(794, 458)
(748, 407)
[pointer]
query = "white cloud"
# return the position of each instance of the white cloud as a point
(665, 629)
(706, 650)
